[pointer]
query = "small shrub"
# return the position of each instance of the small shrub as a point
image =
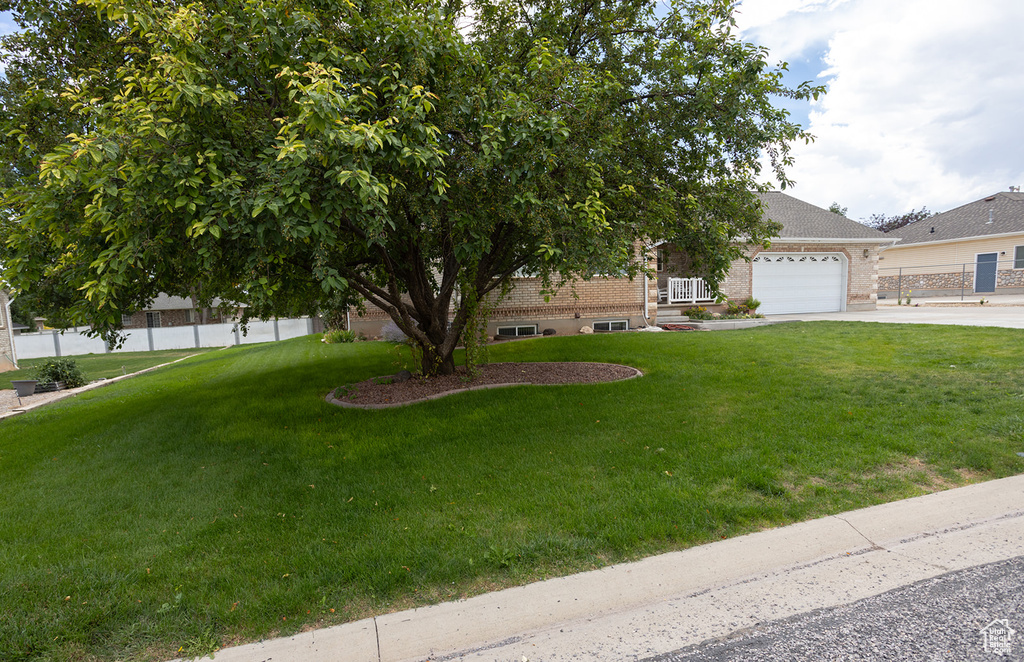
(732, 307)
(391, 333)
(698, 313)
(334, 336)
(60, 370)
(751, 305)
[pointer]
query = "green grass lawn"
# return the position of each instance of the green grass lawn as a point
(221, 499)
(103, 366)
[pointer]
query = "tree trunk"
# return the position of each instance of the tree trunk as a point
(434, 363)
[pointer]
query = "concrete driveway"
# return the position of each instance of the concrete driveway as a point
(1005, 311)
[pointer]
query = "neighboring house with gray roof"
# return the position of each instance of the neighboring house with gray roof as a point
(975, 248)
(820, 262)
(167, 310)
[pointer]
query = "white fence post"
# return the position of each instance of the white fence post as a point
(51, 343)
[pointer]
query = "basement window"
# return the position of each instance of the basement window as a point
(517, 331)
(612, 325)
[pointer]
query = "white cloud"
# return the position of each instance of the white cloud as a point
(924, 98)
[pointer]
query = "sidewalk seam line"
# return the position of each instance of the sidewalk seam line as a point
(376, 632)
(873, 544)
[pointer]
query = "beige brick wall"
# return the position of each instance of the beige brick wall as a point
(620, 298)
(6, 336)
(565, 310)
(861, 276)
(738, 282)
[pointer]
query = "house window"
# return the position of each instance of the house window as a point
(661, 260)
(1018, 257)
(515, 331)
(190, 316)
(126, 320)
(612, 325)
(153, 320)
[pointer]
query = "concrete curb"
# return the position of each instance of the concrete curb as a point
(727, 325)
(693, 594)
(351, 405)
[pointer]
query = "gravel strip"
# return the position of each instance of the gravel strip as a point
(9, 399)
(377, 393)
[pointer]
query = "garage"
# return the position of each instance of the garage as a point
(787, 283)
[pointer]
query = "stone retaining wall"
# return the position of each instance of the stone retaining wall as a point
(1005, 278)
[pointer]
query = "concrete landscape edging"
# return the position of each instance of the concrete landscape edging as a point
(351, 405)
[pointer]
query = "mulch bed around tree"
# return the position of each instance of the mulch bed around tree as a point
(381, 392)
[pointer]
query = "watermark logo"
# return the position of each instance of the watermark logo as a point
(998, 636)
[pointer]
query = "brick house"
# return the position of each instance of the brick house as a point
(975, 248)
(169, 310)
(8, 360)
(600, 303)
(820, 262)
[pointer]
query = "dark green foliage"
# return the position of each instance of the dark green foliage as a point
(296, 155)
(65, 371)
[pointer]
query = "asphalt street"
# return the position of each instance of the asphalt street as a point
(939, 619)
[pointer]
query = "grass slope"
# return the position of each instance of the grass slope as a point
(222, 499)
(103, 366)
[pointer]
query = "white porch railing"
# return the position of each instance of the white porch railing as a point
(688, 290)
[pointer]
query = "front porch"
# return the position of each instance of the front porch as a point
(684, 292)
(676, 296)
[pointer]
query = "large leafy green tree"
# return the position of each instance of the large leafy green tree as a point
(284, 153)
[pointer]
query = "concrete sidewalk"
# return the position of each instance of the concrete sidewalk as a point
(1003, 311)
(663, 603)
(968, 299)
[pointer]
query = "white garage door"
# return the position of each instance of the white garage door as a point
(799, 282)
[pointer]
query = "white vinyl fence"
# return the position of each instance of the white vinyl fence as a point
(70, 343)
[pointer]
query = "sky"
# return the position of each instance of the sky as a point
(925, 102)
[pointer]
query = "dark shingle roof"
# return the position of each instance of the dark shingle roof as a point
(805, 221)
(970, 220)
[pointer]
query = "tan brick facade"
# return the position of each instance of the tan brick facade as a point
(573, 306)
(608, 299)
(7, 361)
(862, 269)
(861, 277)
(566, 310)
